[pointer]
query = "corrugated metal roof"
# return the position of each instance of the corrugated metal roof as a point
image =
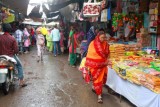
(22, 5)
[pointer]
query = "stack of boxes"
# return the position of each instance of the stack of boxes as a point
(117, 51)
(143, 38)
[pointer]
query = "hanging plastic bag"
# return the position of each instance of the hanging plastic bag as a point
(93, 19)
(91, 9)
(104, 15)
(109, 13)
(10, 18)
(44, 31)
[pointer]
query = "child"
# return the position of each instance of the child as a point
(84, 70)
(82, 67)
(27, 42)
(40, 45)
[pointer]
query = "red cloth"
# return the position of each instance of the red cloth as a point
(75, 44)
(8, 45)
(62, 39)
(32, 32)
(96, 61)
(119, 6)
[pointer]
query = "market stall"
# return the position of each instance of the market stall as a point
(134, 73)
(135, 66)
(138, 95)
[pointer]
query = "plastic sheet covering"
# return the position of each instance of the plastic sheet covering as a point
(138, 95)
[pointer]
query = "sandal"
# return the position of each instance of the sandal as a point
(93, 91)
(73, 66)
(23, 85)
(100, 100)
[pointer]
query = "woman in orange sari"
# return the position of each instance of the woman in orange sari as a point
(96, 62)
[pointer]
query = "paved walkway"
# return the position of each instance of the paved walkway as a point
(54, 83)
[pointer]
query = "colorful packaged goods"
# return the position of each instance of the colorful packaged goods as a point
(136, 66)
(135, 75)
(152, 71)
(155, 65)
(117, 50)
(153, 83)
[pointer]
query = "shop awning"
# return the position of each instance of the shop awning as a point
(31, 22)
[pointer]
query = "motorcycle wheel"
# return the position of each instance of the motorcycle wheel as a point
(5, 86)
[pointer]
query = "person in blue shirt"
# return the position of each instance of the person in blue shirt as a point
(55, 34)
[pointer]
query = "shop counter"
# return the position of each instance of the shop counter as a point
(138, 95)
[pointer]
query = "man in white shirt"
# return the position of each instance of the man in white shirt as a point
(19, 38)
(55, 34)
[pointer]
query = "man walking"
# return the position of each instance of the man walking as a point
(55, 34)
(19, 38)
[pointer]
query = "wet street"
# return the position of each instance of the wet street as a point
(54, 83)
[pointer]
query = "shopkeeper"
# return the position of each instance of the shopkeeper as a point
(129, 31)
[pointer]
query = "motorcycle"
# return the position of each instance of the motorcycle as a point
(7, 72)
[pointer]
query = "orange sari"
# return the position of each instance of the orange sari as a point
(96, 62)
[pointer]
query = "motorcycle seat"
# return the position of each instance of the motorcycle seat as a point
(8, 58)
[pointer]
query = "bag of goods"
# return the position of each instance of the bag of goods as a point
(131, 63)
(147, 60)
(155, 65)
(104, 15)
(135, 75)
(152, 83)
(156, 90)
(132, 47)
(115, 67)
(152, 80)
(91, 9)
(82, 65)
(153, 72)
(117, 50)
(122, 68)
(129, 53)
(143, 64)
(133, 57)
(141, 53)
(44, 31)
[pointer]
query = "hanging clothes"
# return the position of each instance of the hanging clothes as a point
(119, 6)
(158, 42)
(125, 7)
(109, 12)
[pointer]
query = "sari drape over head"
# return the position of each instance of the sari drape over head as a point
(96, 62)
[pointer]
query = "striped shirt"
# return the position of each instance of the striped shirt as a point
(18, 35)
(8, 45)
